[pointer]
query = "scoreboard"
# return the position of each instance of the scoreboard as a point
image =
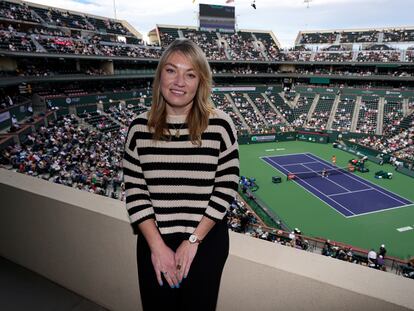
(217, 17)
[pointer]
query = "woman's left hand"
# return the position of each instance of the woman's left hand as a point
(184, 256)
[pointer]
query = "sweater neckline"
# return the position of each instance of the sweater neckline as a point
(171, 118)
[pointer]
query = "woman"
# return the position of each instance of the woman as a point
(181, 172)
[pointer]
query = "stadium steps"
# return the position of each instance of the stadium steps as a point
(405, 107)
(35, 15)
(38, 46)
(291, 104)
(274, 108)
(236, 111)
(256, 110)
(380, 116)
(260, 46)
(312, 58)
(405, 123)
(333, 111)
(294, 102)
(380, 37)
(402, 55)
(354, 56)
(338, 39)
(312, 107)
(355, 114)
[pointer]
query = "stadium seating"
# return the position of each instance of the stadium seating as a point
(344, 114)
(320, 116)
(301, 110)
(368, 115)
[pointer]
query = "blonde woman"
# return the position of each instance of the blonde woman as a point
(181, 170)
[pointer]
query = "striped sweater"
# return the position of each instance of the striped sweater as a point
(176, 182)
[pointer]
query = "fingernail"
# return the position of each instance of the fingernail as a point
(161, 284)
(172, 286)
(178, 285)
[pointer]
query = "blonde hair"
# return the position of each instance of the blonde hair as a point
(197, 118)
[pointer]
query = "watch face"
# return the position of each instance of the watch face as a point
(193, 238)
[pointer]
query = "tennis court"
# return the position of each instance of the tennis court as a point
(369, 225)
(347, 193)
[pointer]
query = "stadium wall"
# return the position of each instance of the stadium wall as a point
(84, 243)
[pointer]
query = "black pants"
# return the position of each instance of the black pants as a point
(199, 291)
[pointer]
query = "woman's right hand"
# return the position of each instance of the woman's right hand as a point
(162, 257)
(163, 260)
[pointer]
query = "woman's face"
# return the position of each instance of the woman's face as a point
(179, 83)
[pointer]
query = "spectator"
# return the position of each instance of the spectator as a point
(372, 258)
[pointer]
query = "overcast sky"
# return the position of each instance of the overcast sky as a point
(284, 17)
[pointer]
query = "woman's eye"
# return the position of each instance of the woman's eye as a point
(169, 70)
(192, 76)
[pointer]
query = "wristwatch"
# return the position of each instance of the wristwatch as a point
(194, 239)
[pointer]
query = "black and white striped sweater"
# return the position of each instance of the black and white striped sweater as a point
(176, 182)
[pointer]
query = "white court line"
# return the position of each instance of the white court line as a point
(328, 179)
(280, 149)
(403, 229)
(270, 150)
(382, 210)
(378, 190)
(322, 194)
(298, 163)
(349, 192)
(282, 155)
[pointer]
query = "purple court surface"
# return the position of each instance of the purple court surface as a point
(346, 192)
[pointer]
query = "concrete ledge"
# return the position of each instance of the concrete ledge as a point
(84, 242)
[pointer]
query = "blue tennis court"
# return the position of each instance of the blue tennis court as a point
(346, 192)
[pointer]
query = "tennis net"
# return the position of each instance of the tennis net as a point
(311, 174)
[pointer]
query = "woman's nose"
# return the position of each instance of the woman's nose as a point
(180, 79)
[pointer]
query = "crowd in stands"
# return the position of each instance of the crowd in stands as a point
(333, 57)
(320, 116)
(374, 259)
(251, 116)
(16, 42)
(317, 37)
(208, 43)
(8, 101)
(246, 46)
(242, 47)
(69, 154)
(223, 103)
(293, 56)
(367, 117)
(300, 111)
(393, 114)
(246, 70)
(368, 36)
(128, 51)
(14, 11)
(401, 145)
(240, 217)
(270, 115)
(343, 115)
(406, 153)
(379, 56)
(398, 35)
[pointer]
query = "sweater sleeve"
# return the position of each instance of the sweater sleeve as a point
(227, 175)
(138, 202)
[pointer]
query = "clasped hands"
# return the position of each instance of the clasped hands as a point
(174, 266)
